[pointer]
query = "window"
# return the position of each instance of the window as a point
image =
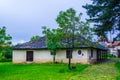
(68, 53)
(91, 53)
(79, 52)
(52, 53)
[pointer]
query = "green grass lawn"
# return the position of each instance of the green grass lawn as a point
(10, 71)
(103, 71)
(118, 68)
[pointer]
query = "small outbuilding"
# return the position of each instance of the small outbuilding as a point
(37, 52)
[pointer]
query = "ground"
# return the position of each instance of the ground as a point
(103, 71)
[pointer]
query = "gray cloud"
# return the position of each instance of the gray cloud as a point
(24, 18)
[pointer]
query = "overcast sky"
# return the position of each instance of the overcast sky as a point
(24, 18)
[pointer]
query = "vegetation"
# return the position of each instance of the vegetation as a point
(53, 38)
(10, 71)
(117, 38)
(109, 56)
(35, 38)
(70, 29)
(105, 14)
(5, 42)
(102, 71)
(118, 68)
(6, 55)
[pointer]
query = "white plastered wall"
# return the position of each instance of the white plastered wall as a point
(43, 56)
(19, 56)
(94, 58)
(61, 56)
(76, 58)
(39, 56)
(118, 47)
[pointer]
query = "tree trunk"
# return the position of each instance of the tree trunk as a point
(70, 56)
(54, 58)
(69, 64)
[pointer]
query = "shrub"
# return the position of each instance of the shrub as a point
(4, 59)
(110, 56)
(1, 56)
(7, 53)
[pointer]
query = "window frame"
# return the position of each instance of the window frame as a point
(68, 53)
(79, 52)
(91, 53)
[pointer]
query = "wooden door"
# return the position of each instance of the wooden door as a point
(29, 56)
(98, 55)
(118, 53)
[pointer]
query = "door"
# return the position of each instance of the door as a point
(98, 56)
(118, 53)
(29, 56)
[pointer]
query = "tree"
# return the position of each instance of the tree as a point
(35, 38)
(105, 14)
(117, 38)
(52, 40)
(5, 40)
(74, 32)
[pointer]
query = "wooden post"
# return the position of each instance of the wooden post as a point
(99, 55)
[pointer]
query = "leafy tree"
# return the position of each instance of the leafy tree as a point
(5, 40)
(7, 52)
(117, 38)
(52, 40)
(105, 14)
(35, 38)
(74, 32)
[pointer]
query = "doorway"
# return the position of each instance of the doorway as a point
(29, 56)
(118, 53)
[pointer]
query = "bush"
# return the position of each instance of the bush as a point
(110, 56)
(1, 56)
(7, 53)
(6, 60)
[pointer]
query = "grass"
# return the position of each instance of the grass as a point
(118, 68)
(10, 71)
(102, 71)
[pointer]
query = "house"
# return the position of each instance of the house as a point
(113, 48)
(116, 46)
(37, 52)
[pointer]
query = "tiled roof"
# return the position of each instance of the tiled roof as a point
(37, 44)
(41, 44)
(116, 43)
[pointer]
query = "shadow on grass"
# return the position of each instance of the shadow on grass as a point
(107, 60)
(78, 68)
(102, 61)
